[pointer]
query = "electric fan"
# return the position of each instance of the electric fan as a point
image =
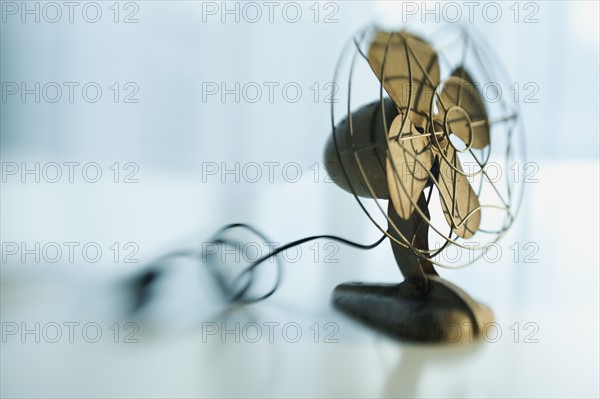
(411, 145)
(431, 138)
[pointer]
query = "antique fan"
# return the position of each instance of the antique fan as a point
(431, 137)
(405, 148)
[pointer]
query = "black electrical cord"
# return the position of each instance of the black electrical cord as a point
(237, 295)
(141, 283)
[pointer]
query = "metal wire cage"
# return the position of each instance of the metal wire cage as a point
(495, 172)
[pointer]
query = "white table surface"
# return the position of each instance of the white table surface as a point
(559, 295)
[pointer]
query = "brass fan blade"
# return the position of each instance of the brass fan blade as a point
(404, 49)
(406, 177)
(460, 91)
(459, 201)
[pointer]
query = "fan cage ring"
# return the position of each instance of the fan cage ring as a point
(449, 238)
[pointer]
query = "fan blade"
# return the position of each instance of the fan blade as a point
(407, 165)
(459, 90)
(459, 202)
(401, 49)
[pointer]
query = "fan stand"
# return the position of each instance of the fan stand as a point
(424, 307)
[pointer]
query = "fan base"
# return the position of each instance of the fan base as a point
(444, 313)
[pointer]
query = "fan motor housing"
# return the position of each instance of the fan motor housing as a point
(370, 144)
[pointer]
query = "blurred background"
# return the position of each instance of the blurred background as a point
(130, 129)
